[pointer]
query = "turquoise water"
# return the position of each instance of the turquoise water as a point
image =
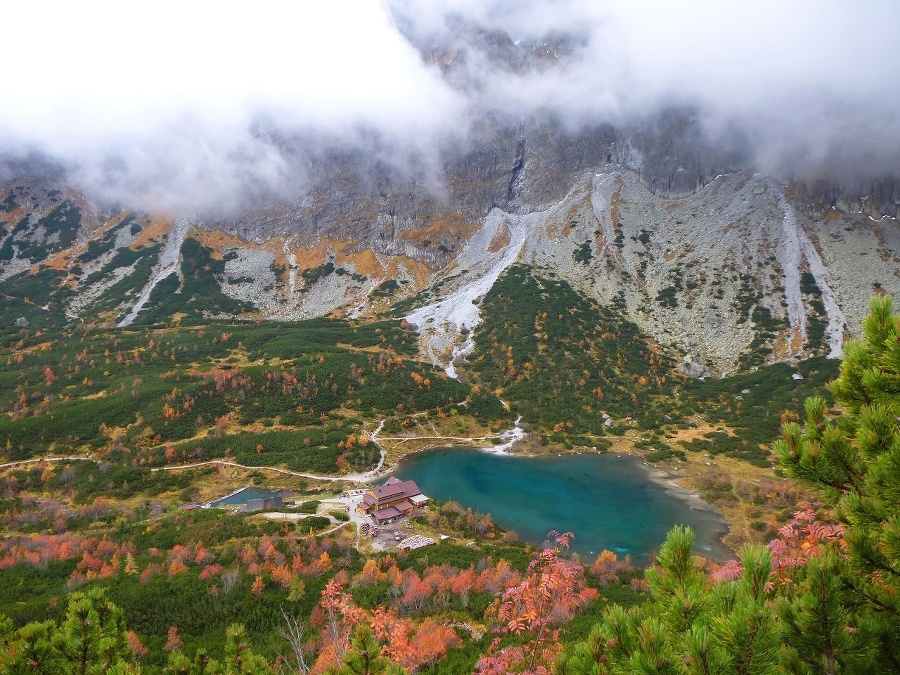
(607, 501)
(244, 495)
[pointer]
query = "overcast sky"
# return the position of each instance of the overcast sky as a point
(161, 102)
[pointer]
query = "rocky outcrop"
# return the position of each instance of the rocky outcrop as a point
(729, 277)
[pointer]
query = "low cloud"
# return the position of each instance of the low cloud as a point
(168, 103)
(812, 84)
(188, 105)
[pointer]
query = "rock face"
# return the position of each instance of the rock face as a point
(722, 265)
(720, 277)
(729, 277)
(519, 168)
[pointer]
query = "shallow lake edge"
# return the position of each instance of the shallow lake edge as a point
(663, 477)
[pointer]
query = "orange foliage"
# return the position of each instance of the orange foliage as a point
(135, 645)
(370, 573)
(210, 571)
(535, 608)
(282, 575)
(608, 567)
(402, 641)
(430, 644)
(173, 640)
(148, 573)
(177, 567)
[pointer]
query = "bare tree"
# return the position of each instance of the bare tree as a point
(230, 578)
(292, 631)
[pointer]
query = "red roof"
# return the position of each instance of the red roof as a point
(395, 488)
(386, 514)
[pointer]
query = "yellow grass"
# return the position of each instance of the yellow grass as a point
(156, 228)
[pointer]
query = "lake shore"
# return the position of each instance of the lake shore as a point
(592, 494)
(689, 480)
(692, 480)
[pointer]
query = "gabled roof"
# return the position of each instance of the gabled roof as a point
(395, 489)
(386, 514)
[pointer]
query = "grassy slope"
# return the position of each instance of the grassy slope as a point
(563, 362)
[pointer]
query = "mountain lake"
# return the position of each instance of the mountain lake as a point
(608, 501)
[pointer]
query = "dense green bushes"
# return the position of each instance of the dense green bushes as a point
(176, 394)
(752, 404)
(561, 360)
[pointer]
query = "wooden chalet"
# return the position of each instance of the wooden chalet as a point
(392, 500)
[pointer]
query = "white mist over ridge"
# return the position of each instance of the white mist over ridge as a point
(806, 82)
(187, 107)
(167, 104)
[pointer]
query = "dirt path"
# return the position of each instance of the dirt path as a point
(35, 460)
(223, 462)
(275, 515)
(509, 437)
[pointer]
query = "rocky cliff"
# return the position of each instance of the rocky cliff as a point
(721, 263)
(738, 273)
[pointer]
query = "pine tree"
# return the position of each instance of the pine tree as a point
(179, 664)
(297, 590)
(91, 640)
(687, 626)
(31, 650)
(823, 631)
(93, 636)
(854, 458)
(364, 657)
(239, 658)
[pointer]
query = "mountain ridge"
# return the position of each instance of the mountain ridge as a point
(732, 276)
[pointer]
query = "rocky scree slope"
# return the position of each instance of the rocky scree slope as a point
(727, 278)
